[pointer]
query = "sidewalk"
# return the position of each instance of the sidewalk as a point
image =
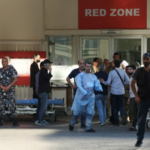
(56, 136)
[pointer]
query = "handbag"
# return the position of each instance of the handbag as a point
(120, 77)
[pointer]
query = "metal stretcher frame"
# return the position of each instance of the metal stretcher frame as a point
(28, 110)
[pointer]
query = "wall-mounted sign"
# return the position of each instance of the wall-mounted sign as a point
(112, 14)
(111, 31)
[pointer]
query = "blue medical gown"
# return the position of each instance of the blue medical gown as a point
(85, 97)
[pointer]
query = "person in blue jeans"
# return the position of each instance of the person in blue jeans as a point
(142, 96)
(101, 96)
(73, 74)
(37, 92)
(44, 89)
(117, 78)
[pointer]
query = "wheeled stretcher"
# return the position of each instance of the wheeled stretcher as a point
(22, 108)
(148, 120)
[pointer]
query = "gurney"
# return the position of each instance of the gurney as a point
(22, 108)
(148, 120)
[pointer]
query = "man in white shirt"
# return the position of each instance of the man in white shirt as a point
(133, 104)
(117, 78)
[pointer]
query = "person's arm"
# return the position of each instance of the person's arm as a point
(97, 85)
(133, 82)
(3, 87)
(46, 75)
(69, 82)
(78, 80)
(15, 73)
(126, 79)
(108, 82)
(10, 85)
(70, 76)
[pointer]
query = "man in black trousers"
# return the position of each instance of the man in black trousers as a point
(34, 69)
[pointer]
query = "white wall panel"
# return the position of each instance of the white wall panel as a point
(61, 14)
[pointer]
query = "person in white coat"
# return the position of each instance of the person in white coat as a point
(85, 98)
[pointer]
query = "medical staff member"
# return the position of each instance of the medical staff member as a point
(85, 98)
(73, 74)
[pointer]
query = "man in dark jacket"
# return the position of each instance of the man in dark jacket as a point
(44, 89)
(34, 69)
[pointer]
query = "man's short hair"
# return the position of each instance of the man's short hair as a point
(116, 54)
(80, 60)
(5, 58)
(95, 59)
(35, 55)
(8, 58)
(132, 66)
(89, 63)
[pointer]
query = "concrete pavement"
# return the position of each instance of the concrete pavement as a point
(56, 136)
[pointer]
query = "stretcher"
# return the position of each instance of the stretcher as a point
(148, 120)
(24, 107)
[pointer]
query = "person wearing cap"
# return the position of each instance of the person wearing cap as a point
(133, 105)
(44, 89)
(117, 78)
(142, 96)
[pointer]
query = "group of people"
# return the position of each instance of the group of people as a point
(124, 86)
(40, 82)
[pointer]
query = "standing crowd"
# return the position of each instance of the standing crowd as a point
(115, 87)
(119, 86)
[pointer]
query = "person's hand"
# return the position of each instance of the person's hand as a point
(137, 99)
(3, 87)
(74, 87)
(7, 88)
(50, 69)
(101, 80)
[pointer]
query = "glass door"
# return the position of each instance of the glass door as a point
(92, 47)
(129, 49)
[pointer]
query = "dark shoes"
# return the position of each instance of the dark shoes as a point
(124, 120)
(138, 143)
(1, 122)
(91, 130)
(71, 127)
(83, 126)
(116, 124)
(15, 122)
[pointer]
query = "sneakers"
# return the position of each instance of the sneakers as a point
(71, 127)
(46, 122)
(36, 122)
(41, 123)
(15, 122)
(138, 143)
(101, 124)
(124, 120)
(83, 126)
(1, 122)
(91, 130)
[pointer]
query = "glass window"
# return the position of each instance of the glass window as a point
(128, 49)
(60, 50)
(92, 48)
(148, 45)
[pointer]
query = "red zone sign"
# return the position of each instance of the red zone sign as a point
(112, 14)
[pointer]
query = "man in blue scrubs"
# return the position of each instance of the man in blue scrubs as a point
(73, 74)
